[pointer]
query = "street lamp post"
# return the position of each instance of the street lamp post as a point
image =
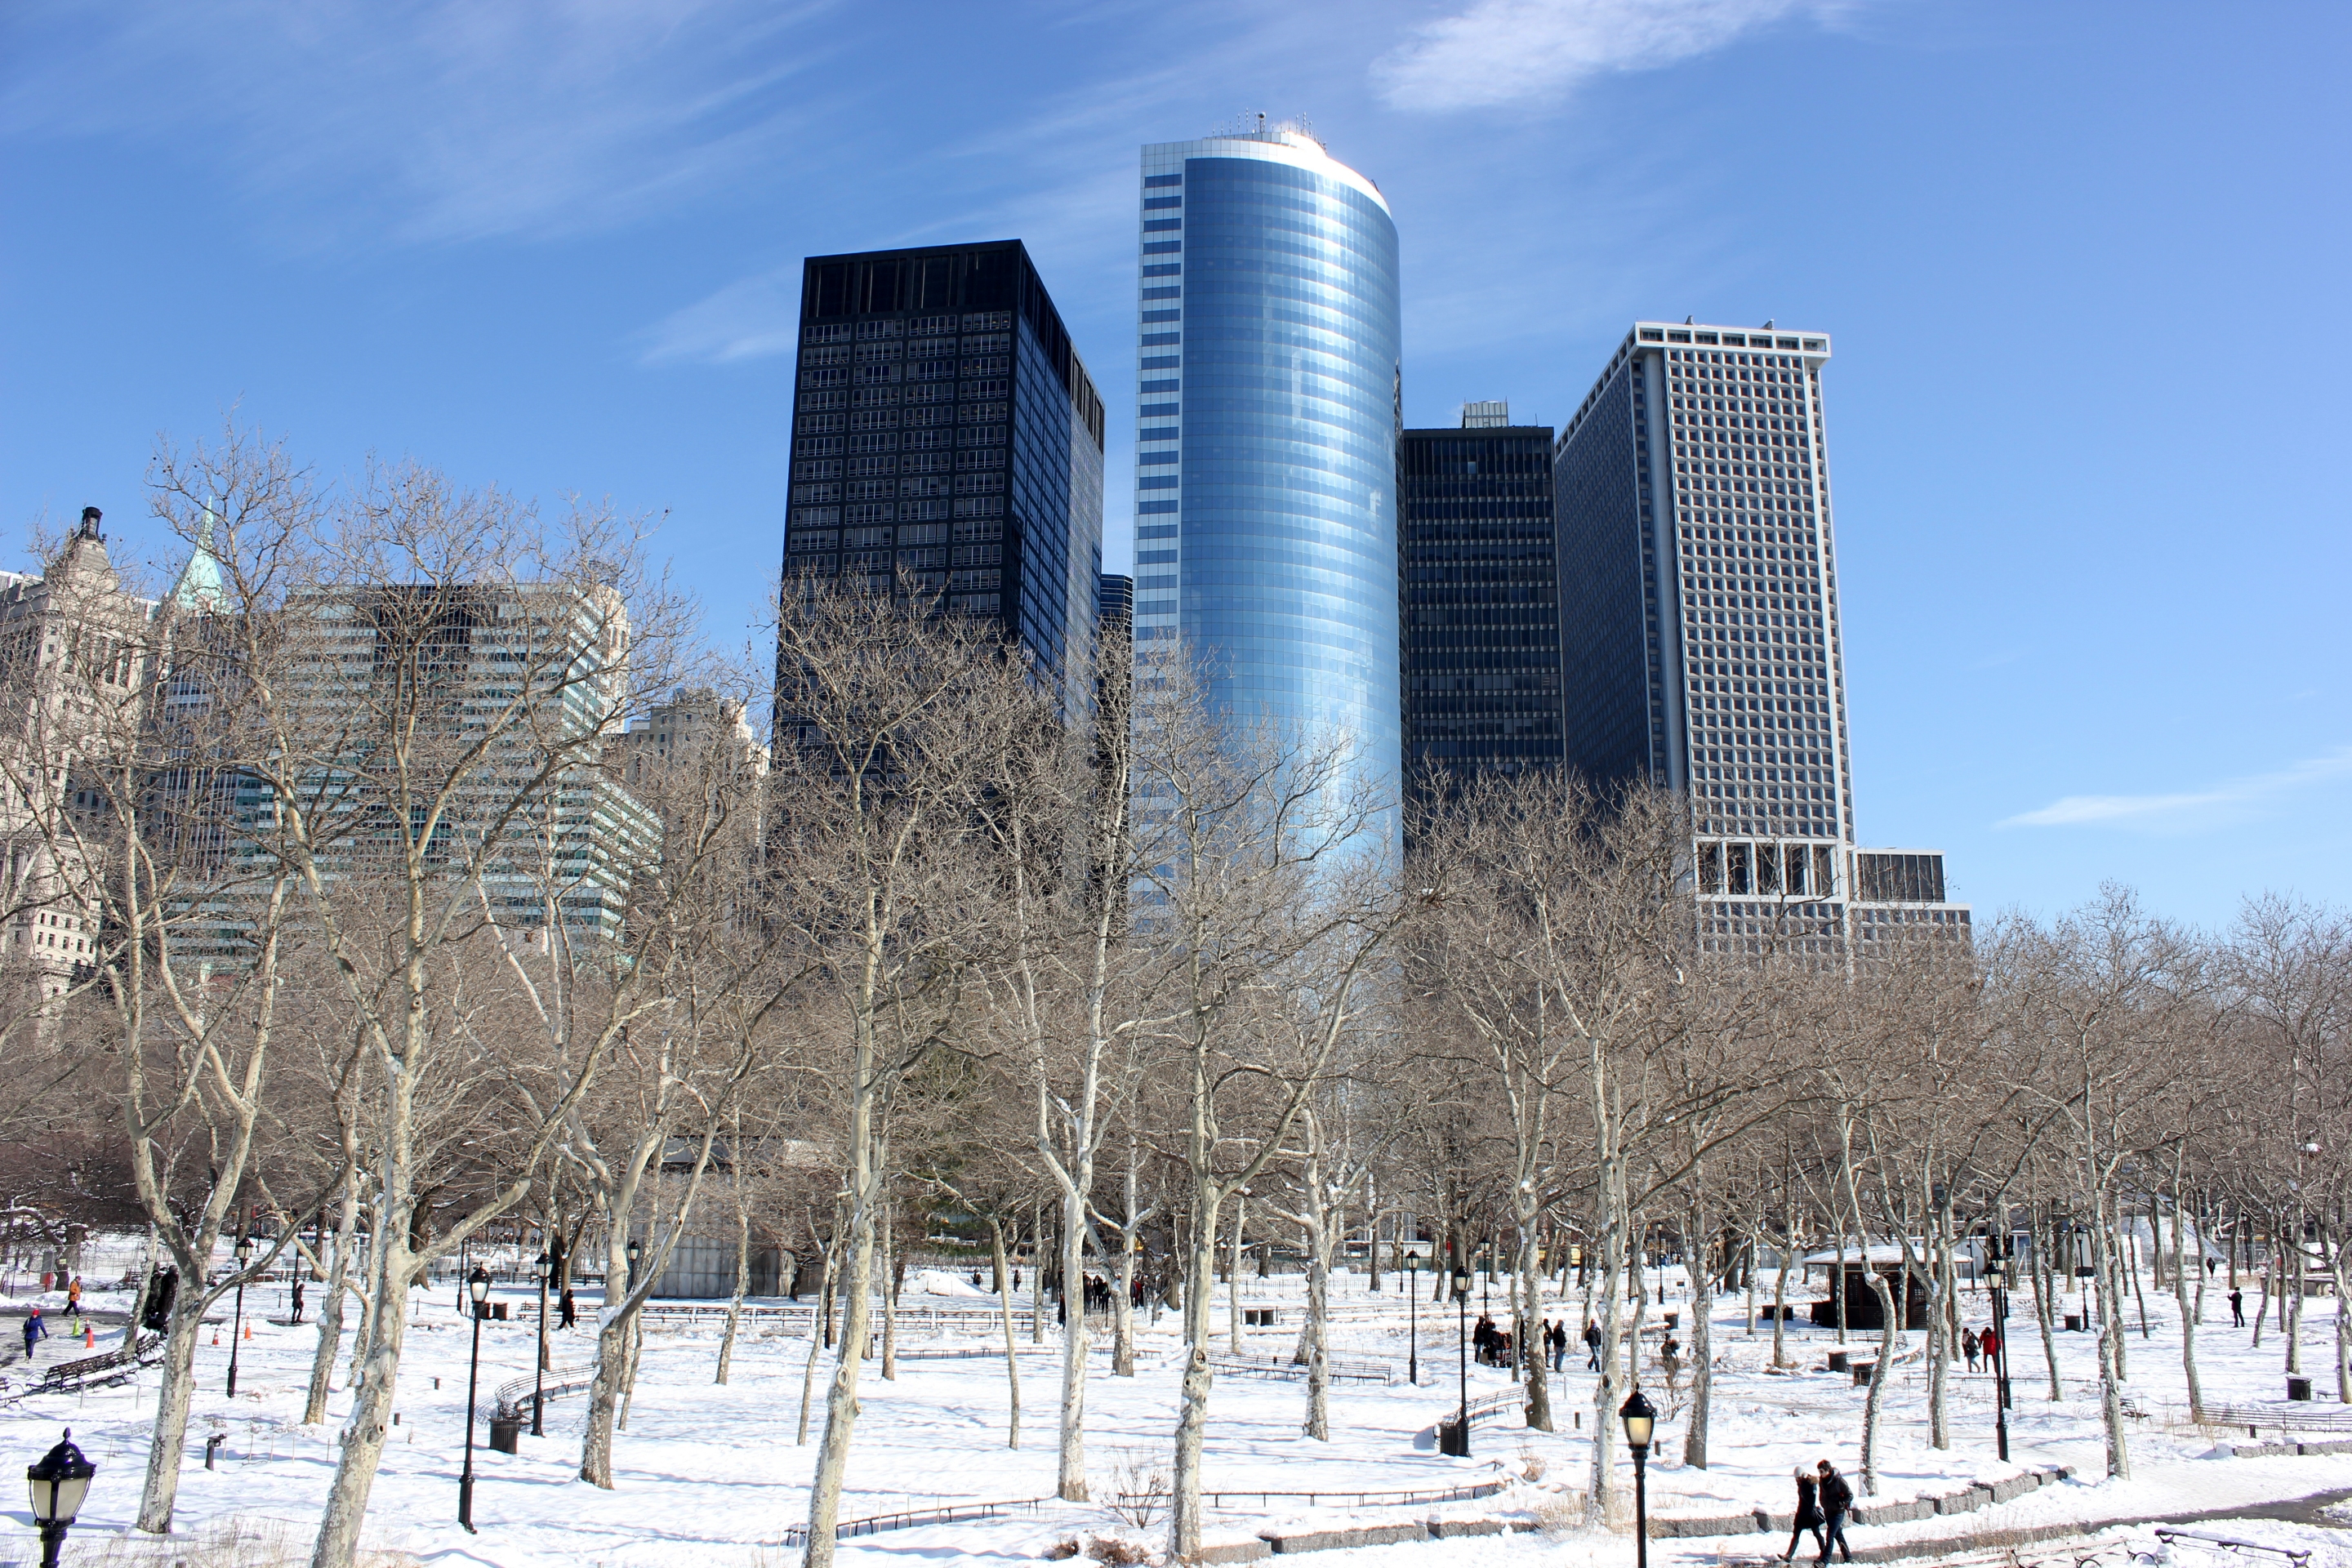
(635, 1250)
(1461, 1449)
(1641, 1418)
(1413, 1320)
(59, 1483)
(477, 1285)
(1997, 1281)
(545, 1267)
(244, 1251)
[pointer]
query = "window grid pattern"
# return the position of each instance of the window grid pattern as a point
(1693, 495)
(1265, 508)
(1480, 600)
(944, 429)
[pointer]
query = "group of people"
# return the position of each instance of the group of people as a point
(1985, 1346)
(1491, 1345)
(1824, 1502)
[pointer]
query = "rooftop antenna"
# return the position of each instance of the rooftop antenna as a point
(1687, 320)
(1768, 324)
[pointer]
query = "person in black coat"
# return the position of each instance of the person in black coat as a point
(1809, 1514)
(1591, 1345)
(566, 1314)
(1837, 1506)
(2237, 1307)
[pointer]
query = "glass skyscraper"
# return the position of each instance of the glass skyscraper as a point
(1699, 623)
(1480, 595)
(943, 427)
(1265, 450)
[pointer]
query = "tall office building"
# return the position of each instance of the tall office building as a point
(943, 427)
(1266, 460)
(1699, 614)
(1480, 591)
(74, 657)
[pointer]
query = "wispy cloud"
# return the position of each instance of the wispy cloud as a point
(1520, 51)
(2194, 811)
(442, 121)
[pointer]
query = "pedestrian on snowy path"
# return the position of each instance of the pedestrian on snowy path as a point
(298, 1299)
(1968, 1347)
(1559, 1346)
(36, 1332)
(1592, 1344)
(1837, 1503)
(566, 1314)
(2237, 1307)
(1809, 1514)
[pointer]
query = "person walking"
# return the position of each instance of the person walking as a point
(1593, 1345)
(1809, 1514)
(566, 1313)
(1989, 1346)
(1559, 1346)
(36, 1332)
(1836, 1503)
(1969, 1345)
(2237, 1307)
(73, 1295)
(298, 1299)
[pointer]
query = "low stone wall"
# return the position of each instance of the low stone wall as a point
(1671, 1526)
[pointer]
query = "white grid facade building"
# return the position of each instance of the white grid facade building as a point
(1699, 608)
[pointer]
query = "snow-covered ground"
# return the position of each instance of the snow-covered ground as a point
(713, 1475)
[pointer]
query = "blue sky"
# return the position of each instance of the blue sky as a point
(2083, 264)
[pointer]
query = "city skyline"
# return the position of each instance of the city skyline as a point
(576, 267)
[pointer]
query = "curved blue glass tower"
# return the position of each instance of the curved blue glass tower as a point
(1265, 446)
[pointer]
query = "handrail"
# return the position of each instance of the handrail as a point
(915, 1518)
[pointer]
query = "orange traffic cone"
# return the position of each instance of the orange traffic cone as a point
(249, 1330)
(216, 1338)
(89, 1337)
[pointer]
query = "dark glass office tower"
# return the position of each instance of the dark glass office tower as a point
(944, 427)
(1480, 597)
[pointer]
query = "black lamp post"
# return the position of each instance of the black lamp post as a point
(1996, 1280)
(635, 1250)
(244, 1251)
(1413, 1320)
(477, 1285)
(1461, 1449)
(1641, 1418)
(59, 1483)
(545, 1269)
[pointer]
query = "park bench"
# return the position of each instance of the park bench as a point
(1342, 1369)
(511, 1400)
(101, 1371)
(2233, 1546)
(2307, 1418)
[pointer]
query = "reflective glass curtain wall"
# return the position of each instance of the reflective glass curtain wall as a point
(1265, 463)
(1480, 602)
(943, 428)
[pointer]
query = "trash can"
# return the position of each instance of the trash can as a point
(499, 1312)
(1862, 1371)
(1840, 1360)
(2073, 1323)
(2298, 1388)
(505, 1430)
(1454, 1439)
